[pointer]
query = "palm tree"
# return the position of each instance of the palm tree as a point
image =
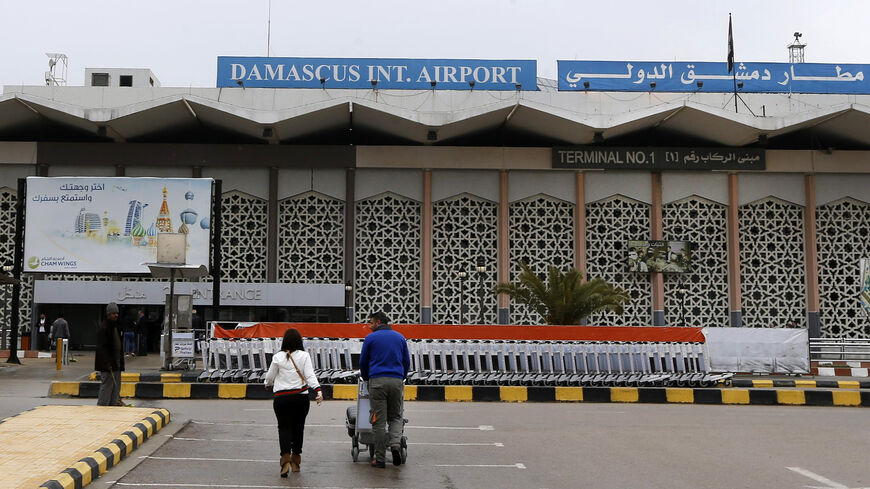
(564, 298)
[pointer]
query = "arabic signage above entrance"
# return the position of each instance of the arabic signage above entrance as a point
(368, 73)
(599, 157)
(672, 76)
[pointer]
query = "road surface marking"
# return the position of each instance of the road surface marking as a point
(510, 466)
(816, 477)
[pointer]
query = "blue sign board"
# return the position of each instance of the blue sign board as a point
(367, 73)
(673, 76)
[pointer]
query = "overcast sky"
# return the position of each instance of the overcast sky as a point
(180, 40)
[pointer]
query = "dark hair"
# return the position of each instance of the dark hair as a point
(60, 314)
(381, 317)
(292, 341)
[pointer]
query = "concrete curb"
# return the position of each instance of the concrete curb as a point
(807, 384)
(90, 468)
(173, 377)
(486, 393)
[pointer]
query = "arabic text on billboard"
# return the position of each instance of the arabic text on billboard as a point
(111, 225)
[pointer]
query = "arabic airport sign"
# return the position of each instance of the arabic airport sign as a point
(637, 76)
(110, 225)
(360, 73)
(648, 158)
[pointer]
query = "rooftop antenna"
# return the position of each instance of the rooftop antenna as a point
(796, 49)
(269, 31)
(52, 77)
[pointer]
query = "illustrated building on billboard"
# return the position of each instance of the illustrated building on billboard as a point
(87, 222)
(134, 213)
(164, 222)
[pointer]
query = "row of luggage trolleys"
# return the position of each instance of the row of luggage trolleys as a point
(481, 362)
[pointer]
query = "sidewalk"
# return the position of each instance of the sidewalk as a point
(68, 446)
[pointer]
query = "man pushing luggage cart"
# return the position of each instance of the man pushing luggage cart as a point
(384, 363)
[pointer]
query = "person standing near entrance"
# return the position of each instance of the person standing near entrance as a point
(384, 362)
(109, 359)
(59, 329)
(42, 330)
(129, 334)
(291, 375)
(141, 330)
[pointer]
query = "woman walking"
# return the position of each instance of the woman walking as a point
(291, 376)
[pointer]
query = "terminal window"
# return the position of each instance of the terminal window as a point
(99, 79)
(126, 80)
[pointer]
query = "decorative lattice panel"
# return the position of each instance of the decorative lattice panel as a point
(772, 263)
(8, 199)
(244, 220)
(387, 258)
(843, 230)
(705, 224)
(610, 224)
(311, 239)
(541, 234)
(464, 228)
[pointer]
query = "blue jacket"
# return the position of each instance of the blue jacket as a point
(384, 354)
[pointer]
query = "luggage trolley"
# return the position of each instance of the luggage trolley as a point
(360, 428)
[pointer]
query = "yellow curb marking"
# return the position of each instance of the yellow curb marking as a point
(513, 393)
(457, 393)
(232, 391)
(176, 390)
(410, 392)
(102, 462)
(85, 470)
(805, 383)
(848, 398)
(65, 480)
(128, 389)
(762, 383)
(680, 395)
(624, 394)
(116, 453)
(790, 397)
(735, 396)
(170, 377)
(569, 394)
(849, 384)
(65, 388)
(128, 444)
(345, 391)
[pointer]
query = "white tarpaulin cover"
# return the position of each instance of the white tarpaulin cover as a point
(768, 350)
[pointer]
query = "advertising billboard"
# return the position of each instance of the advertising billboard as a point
(659, 256)
(111, 224)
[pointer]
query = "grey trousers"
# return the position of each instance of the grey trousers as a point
(110, 388)
(387, 397)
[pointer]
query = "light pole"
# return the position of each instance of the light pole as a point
(462, 274)
(348, 301)
(682, 292)
(481, 270)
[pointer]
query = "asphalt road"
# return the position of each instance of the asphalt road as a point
(233, 444)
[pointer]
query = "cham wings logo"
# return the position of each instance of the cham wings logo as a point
(33, 262)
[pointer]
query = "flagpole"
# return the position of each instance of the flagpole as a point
(731, 60)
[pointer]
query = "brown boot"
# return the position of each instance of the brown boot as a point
(295, 461)
(286, 461)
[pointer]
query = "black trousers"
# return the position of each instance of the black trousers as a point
(291, 410)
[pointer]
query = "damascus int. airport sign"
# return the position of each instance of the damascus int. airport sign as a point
(368, 73)
(649, 158)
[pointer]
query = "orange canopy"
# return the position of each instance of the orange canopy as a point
(474, 332)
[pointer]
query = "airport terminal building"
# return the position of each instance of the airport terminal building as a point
(375, 197)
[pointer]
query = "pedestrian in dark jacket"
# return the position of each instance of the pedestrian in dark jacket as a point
(384, 362)
(59, 328)
(109, 359)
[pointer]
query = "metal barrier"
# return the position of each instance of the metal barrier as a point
(847, 349)
(480, 362)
